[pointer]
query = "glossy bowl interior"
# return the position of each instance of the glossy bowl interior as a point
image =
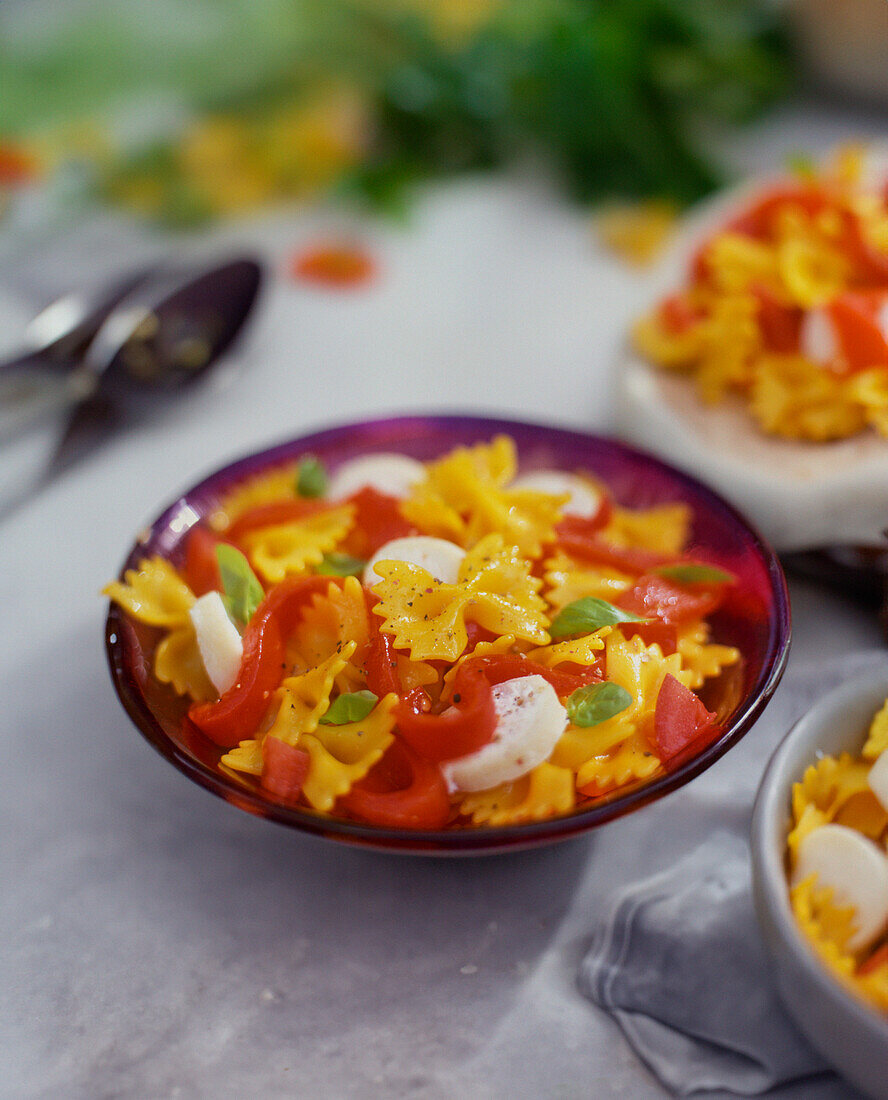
(848, 1033)
(755, 617)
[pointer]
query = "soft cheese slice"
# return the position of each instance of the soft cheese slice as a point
(584, 500)
(220, 645)
(392, 474)
(530, 721)
(439, 557)
(856, 871)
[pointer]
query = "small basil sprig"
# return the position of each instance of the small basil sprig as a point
(241, 591)
(340, 565)
(311, 477)
(351, 707)
(587, 615)
(595, 703)
(693, 572)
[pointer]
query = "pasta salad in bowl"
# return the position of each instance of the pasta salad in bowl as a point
(446, 634)
(764, 355)
(820, 876)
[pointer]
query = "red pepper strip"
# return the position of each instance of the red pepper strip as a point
(578, 527)
(679, 718)
(499, 667)
(239, 711)
(656, 597)
(780, 325)
(270, 515)
(877, 959)
(464, 728)
(382, 661)
(201, 564)
(284, 768)
(756, 220)
(870, 263)
(855, 318)
(677, 314)
(401, 791)
(378, 520)
(626, 559)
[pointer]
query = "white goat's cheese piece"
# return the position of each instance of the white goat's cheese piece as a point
(584, 499)
(392, 474)
(530, 721)
(857, 873)
(437, 556)
(220, 645)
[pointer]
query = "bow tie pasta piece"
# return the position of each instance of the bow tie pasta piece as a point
(877, 738)
(329, 623)
(631, 762)
(828, 927)
(545, 792)
(663, 529)
(576, 651)
(464, 498)
(840, 793)
(270, 487)
(568, 581)
(154, 594)
(495, 590)
(699, 657)
(341, 755)
(301, 702)
(289, 548)
(177, 661)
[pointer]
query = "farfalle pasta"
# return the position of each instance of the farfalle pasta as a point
(786, 306)
(838, 864)
(451, 644)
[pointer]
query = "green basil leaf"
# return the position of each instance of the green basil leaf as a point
(595, 703)
(349, 708)
(311, 480)
(242, 592)
(340, 565)
(587, 615)
(694, 573)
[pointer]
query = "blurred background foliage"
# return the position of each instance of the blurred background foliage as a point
(190, 110)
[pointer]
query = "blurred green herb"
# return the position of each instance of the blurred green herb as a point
(311, 478)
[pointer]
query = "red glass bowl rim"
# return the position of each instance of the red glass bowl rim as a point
(472, 838)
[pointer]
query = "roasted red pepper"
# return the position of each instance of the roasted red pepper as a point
(271, 515)
(382, 661)
(462, 729)
(236, 715)
(591, 547)
(378, 520)
(201, 564)
(401, 791)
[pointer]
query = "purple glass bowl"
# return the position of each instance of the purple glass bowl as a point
(755, 617)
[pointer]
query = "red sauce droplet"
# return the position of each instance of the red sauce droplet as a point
(338, 265)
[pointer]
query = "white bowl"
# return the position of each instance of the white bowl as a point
(849, 1034)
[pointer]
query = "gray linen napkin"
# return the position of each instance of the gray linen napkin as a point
(678, 961)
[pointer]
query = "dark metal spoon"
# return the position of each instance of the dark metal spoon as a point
(161, 337)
